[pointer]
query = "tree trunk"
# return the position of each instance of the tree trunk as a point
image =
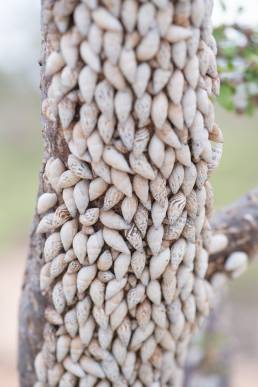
(31, 313)
(158, 316)
(32, 302)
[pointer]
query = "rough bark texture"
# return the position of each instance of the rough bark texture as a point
(31, 313)
(32, 303)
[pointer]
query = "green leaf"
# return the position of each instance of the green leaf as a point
(250, 108)
(226, 96)
(223, 5)
(230, 52)
(219, 33)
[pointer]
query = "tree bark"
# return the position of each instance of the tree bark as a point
(31, 311)
(32, 303)
(239, 222)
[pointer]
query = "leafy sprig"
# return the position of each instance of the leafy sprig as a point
(238, 67)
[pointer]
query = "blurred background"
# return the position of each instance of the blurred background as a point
(20, 158)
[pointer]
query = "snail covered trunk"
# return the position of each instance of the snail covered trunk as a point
(124, 207)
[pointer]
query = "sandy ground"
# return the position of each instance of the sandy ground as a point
(10, 283)
(244, 373)
(244, 368)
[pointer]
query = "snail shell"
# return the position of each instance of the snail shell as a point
(156, 151)
(112, 45)
(154, 238)
(114, 287)
(95, 146)
(179, 54)
(168, 136)
(106, 126)
(80, 246)
(90, 217)
(97, 187)
(146, 14)
(71, 323)
(177, 33)
(115, 240)
(45, 202)
(85, 276)
(114, 76)
(92, 367)
(141, 334)
(177, 253)
(122, 182)
(82, 18)
(142, 78)
(83, 309)
(52, 246)
(118, 315)
(94, 246)
(236, 260)
(112, 220)
(134, 237)
(148, 46)
(158, 213)
(112, 303)
(76, 349)
(74, 368)
(86, 331)
(58, 297)
(141, 166)
(106, 20)
(97, 292)
(154, 293)
(104, 95)
(115, 159)
(67, 233)
(128, 64)
(90, 57)
(176, 207)
(159, 263)
(88, 117)
(159, 110)
(129, 207)
(121, 266)
(46, 224)
(135, 296)
(168, 163)
(58, 265)
(141, 219)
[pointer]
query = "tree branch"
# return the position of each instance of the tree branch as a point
(239, 222)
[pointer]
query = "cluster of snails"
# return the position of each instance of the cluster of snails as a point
(126, 214)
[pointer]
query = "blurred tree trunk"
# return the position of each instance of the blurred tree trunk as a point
(32, 303)
(31, 312)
